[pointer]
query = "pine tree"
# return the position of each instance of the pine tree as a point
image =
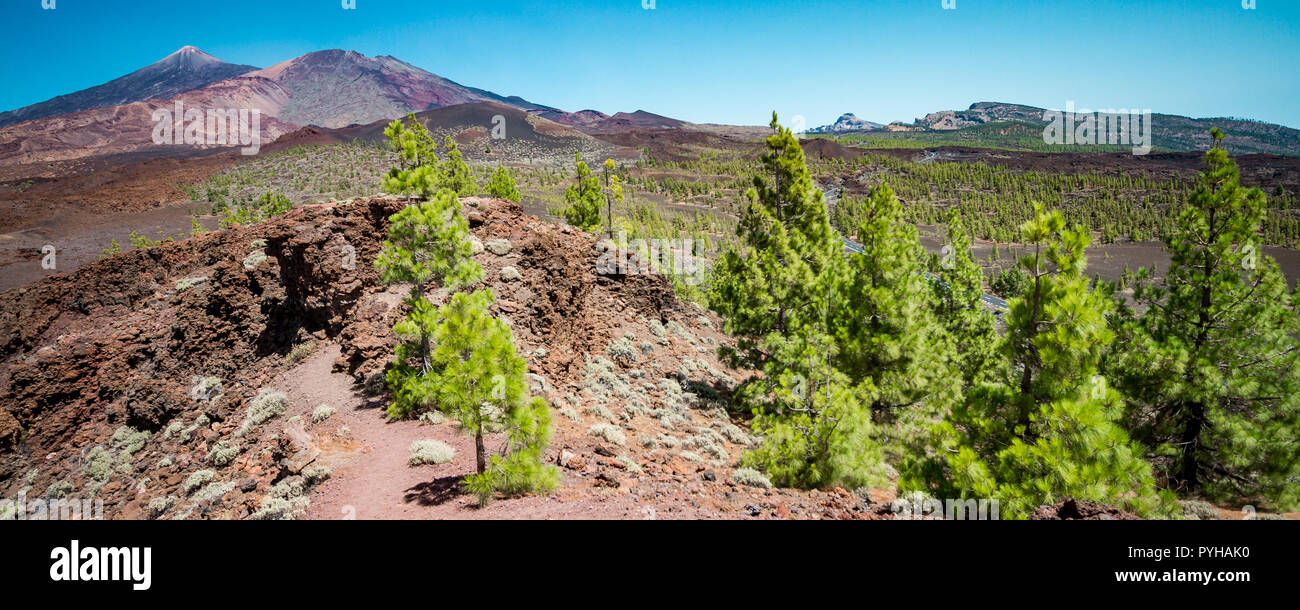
(815, 425)
(1212, 368)
(417, 172)
(454, 172)
(764, 288)
(582, 200)
(428, 242)
(1046, 430)
(960, 307)
(458, 358)
(478, 380)
(884, 318)
(774, 292)
(613, 193)
(502, 185)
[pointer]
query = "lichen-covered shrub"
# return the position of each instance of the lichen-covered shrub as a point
(267, 404)
(300, 352)
(187, 283)
(315, 475)
(197, 480)
(213, 492)
(609, 432)
(254, 258)
(223, 453)
(98, 468)
(601, 411)
(736, 435)
(430, 451)
(433, 418)
(622, 350)
(281, 509)
(158, 506)
(57, 490)
(322, 413)
(629, 463)
(1199, 510)
(571, 414)
(750, 478)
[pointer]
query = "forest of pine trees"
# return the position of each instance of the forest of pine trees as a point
(866, 360)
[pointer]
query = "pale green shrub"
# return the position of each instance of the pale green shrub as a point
(609, 432)
(322, 413)
(750, 478)
(430, 451)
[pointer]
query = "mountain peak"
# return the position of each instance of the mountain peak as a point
(189, 57)
(186, 69)
(847, 122)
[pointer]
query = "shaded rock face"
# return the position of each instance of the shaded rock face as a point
(120, 346)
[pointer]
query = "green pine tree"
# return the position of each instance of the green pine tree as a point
(774, 292)
(478, 380)
(458, 358)
(815, 425)
(884, 318)
(613, 193)
(970, 326)
(582, 200)
(416, 175)
(1047, 429)
(1212, 369)
(502, 185)
(427, 243)
(455, 175)
(764, 286)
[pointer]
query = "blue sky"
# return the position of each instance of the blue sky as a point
(717, 61)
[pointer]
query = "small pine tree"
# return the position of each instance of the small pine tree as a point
(764, 288)
(1048, 428)
(816, 429)
(960, 307)
(774, 292)
(502, 185)
(582, 200)
(459, 358)
(478, 380)
(613, 193)
(427, 242)
(417, 172)
(884, 316)
(455, 175)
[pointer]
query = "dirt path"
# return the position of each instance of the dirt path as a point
(372, 481)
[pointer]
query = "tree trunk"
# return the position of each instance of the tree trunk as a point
(1190, 473)
(478, 450)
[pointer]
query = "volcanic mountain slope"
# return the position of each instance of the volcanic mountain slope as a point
(129, 128)
(134, 381)
(524, 137)
(185, 70)
(339, 88)
(327, 88)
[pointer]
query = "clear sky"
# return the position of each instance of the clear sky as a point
(727, 61)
